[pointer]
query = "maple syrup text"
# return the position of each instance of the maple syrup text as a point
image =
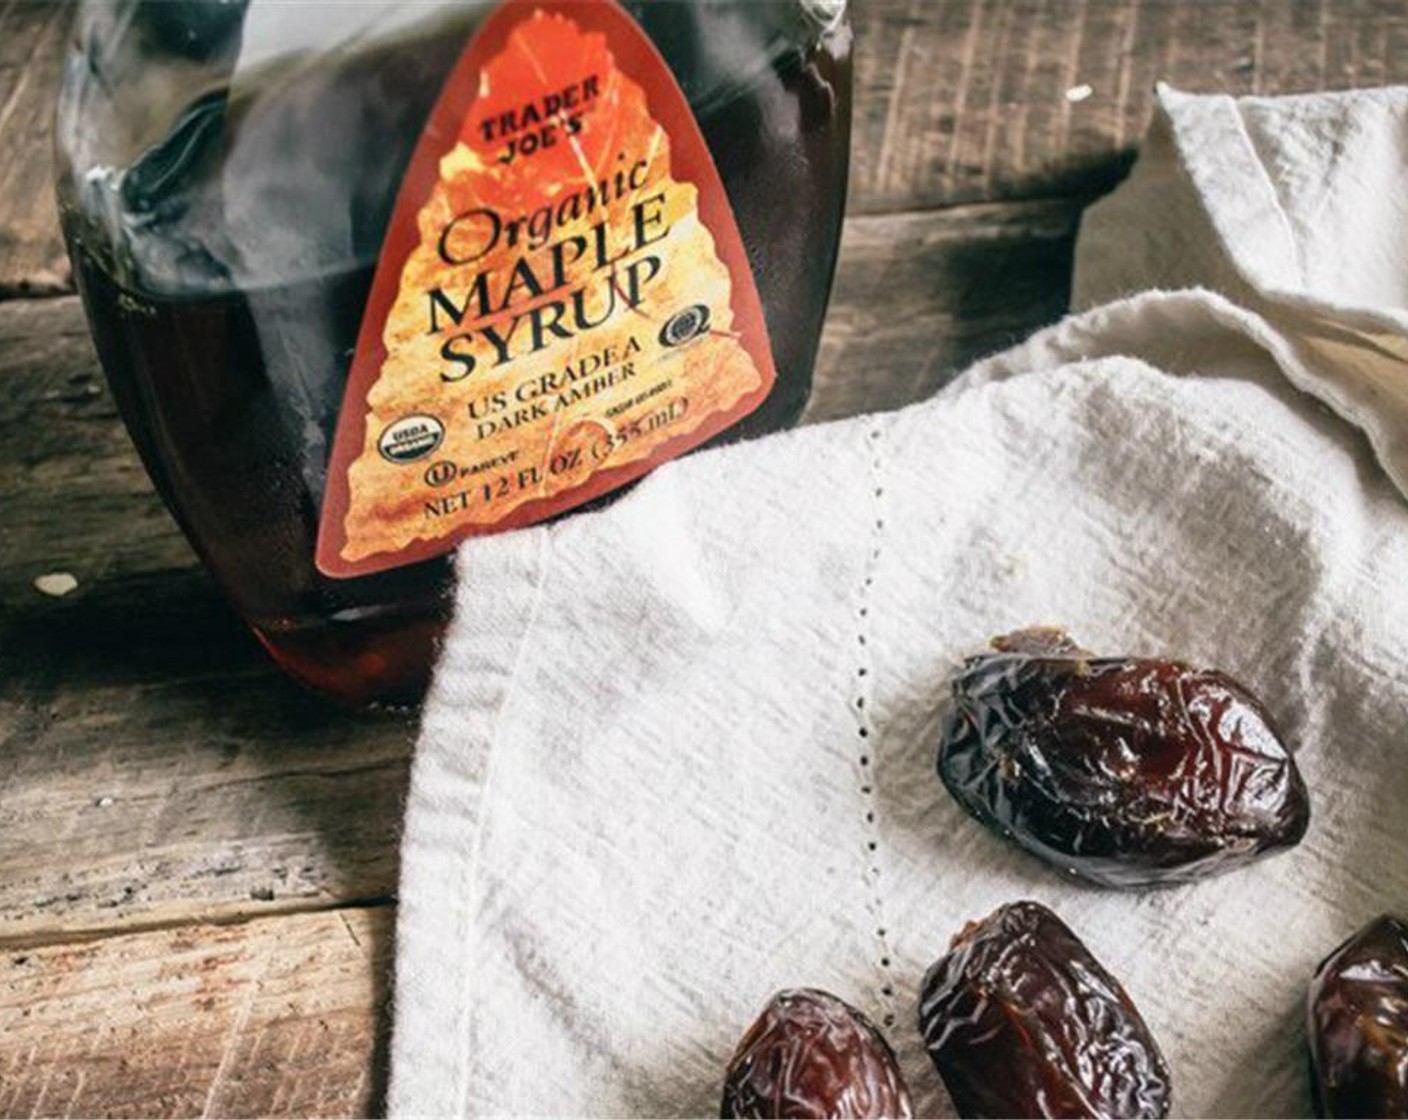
(590, 276)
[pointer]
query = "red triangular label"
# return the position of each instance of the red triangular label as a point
(562, 302)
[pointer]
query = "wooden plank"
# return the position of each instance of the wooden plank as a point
(283, 1017)
(170, 794)
(155, 769)
(32, 36)
(957, 101)
(920, 296)
(975, 100)
(153, 766)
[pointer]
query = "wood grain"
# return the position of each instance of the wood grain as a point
(31, 49)
(152, 766)
(957, 101)
(155, 769)
(979, 100)
(282, 1017)
(919, 296)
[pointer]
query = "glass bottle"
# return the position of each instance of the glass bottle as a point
(228, 172)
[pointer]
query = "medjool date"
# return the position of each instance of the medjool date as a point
(1021, 1020)
(1358, 1020)
(812, 1055)
(1127, 771)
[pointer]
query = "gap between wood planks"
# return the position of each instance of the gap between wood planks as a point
(54, 285)
(21, 943)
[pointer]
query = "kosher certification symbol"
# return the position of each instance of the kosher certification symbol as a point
(683, 326)
(410, 438)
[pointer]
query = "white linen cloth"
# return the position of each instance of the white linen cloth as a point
(680, 753)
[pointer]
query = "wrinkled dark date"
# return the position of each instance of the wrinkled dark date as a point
(812, 1055)
(1127, 771)
(1358, 1022)
(1021, 1020)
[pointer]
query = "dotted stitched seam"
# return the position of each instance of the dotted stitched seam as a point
(861, 707)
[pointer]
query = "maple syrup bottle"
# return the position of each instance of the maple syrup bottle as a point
(369, 278)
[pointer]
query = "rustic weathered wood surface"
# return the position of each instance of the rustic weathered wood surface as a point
(266, 1018)
(31, 47)
(197, 860)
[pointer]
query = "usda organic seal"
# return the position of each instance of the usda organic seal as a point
(410, 438)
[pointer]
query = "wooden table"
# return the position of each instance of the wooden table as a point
(197, 860)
